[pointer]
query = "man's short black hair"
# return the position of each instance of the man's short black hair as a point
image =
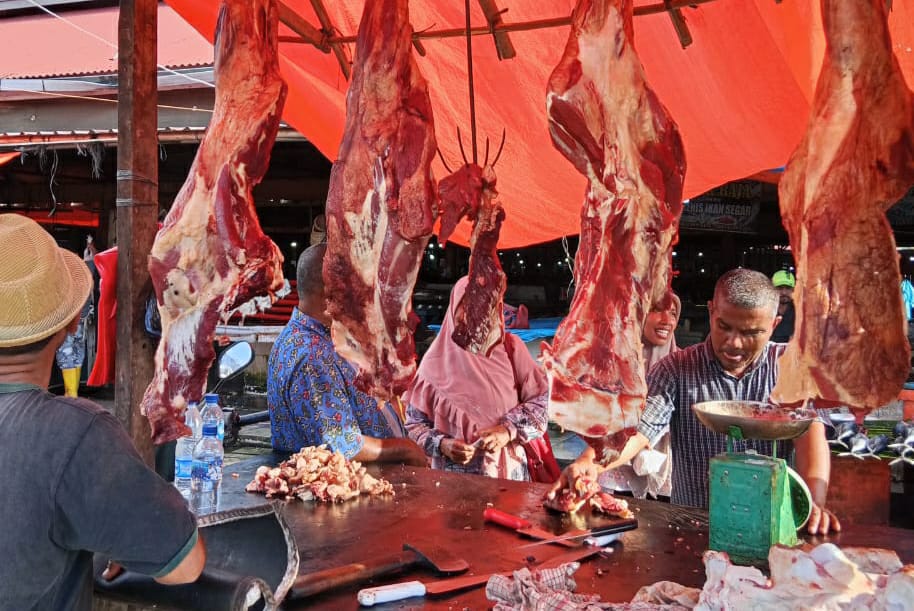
(309, 272)
(32, 348)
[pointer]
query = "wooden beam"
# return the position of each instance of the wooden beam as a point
(137, 211)
(523, 26)
(339, 49)
(297, 24)
(679, 24)
(503, 45)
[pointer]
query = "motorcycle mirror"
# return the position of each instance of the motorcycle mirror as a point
(235, 359)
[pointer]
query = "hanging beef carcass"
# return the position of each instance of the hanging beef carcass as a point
(211, 256)
(611, 126)
(855, 161)
(382, 203)
(479, 321)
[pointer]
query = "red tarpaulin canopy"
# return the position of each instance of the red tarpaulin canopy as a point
(740, 92)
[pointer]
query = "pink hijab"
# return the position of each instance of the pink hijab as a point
(652, 353)
(461, 392)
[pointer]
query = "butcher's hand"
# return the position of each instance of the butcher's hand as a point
(457, 451)
(493, 439)
(583, 468)
(822, 521)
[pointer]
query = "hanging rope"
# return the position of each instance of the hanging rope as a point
(469, 37)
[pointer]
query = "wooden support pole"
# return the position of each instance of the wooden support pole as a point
(679, 24)
(297, 24)
(522, 26)
(137, 210)
(503, 45)
(339, 48)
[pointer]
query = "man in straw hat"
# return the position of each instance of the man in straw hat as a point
(73, 483)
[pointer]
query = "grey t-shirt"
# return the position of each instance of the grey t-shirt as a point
(73, 484)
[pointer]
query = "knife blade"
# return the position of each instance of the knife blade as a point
(408, 589)
(597, 534)
(526, 528)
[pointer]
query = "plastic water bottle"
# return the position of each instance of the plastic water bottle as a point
(184, 449)
(206, 474)
(213, 411)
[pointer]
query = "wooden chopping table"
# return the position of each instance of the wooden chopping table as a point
(446, 509)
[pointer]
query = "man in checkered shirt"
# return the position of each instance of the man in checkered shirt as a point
(735, 362)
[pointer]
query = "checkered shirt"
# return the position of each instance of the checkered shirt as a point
(690, 376)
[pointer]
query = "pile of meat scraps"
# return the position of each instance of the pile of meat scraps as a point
(317, 474)
(824, 577)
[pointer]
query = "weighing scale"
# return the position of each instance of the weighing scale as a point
(756, 501)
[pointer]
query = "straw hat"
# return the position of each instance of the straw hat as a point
(42, 286)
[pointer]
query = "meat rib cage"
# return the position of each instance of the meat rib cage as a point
(479, 322)
(856, 160)
(611, 126)
(382, 203)
(211, 255)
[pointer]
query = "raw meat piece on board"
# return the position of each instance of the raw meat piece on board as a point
(211, 255)
(856, 160)
(382, 203)
(611, 126)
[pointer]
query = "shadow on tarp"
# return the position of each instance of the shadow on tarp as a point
(243, 569)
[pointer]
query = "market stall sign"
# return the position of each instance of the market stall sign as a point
(720, 215)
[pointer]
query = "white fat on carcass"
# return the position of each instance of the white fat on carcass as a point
(619, 112)
(367, 246)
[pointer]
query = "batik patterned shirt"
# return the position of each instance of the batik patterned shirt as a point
(690, 376)
(312, 395)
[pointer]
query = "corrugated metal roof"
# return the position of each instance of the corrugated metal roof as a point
(39, 46)
(64, 138)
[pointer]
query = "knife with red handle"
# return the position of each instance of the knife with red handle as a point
(524, 527)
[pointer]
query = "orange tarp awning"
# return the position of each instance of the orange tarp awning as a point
(740, 93)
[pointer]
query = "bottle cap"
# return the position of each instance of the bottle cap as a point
(211, 397)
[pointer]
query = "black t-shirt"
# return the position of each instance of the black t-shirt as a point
(784, 331)
(73, 484)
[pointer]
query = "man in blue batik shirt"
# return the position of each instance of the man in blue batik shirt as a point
(311, 389)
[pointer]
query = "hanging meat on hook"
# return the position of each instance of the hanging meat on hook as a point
(382, 203)
(479, 323)
(611, 126)
(855, 161)
(211, 255)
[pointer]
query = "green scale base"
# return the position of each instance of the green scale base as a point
(750, 506)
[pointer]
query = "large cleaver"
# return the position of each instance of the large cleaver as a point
(407, 589)
(436, 558)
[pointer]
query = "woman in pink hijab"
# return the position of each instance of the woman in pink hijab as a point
(471, 413)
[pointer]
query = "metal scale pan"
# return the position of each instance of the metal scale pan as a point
(764, 421)
(753, 419)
